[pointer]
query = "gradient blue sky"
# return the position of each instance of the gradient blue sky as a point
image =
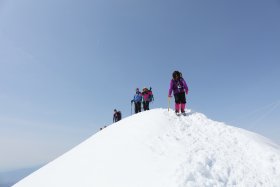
(65, 65)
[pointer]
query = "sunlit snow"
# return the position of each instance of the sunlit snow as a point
(156, 148)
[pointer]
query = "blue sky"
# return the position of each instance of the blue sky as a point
(65, 65)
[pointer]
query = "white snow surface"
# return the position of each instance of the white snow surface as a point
(156, 148)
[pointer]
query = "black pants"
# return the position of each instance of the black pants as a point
(180, 98)
(137, 107)
(146, 105)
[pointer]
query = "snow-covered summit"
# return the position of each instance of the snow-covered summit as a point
(156, 148)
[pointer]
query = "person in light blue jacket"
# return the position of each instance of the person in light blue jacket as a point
(137, 100)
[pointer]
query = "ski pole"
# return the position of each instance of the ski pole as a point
(168, 103)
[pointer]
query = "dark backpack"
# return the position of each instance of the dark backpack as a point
(151, 97)
(178, 85)
(119, 114)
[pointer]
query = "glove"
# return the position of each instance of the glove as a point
(132, 101)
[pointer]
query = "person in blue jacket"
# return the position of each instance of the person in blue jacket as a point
(137, 100)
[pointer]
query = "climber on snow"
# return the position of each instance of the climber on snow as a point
(137, 99)
(180, 89)
(117, 116)
(147, 98)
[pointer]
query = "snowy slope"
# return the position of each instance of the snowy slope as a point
(159, 149)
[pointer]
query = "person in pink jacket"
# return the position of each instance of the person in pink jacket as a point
(179, 88)
(147, 98)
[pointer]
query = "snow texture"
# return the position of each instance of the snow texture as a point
(156, 148)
